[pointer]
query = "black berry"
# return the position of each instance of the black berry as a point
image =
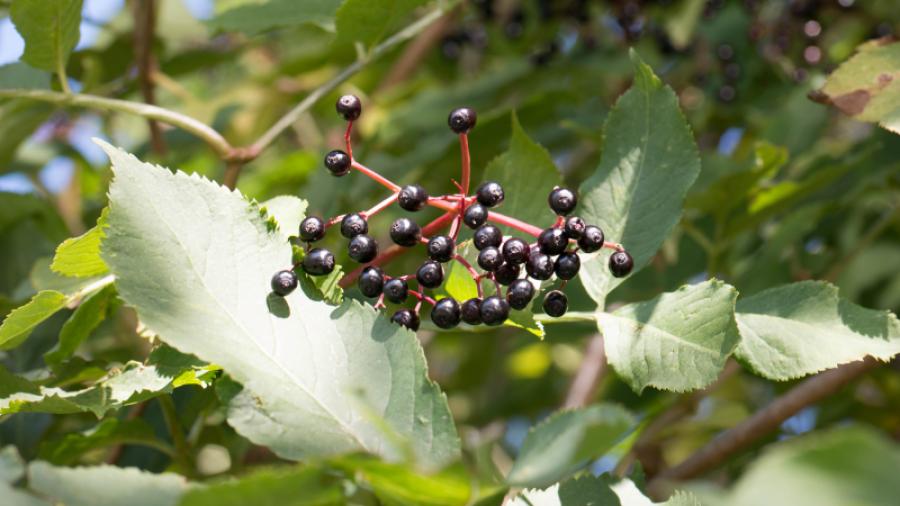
(567, 265)
(441, 248)
(620, 264)
(363, 248)
(337, 162)
(349, 107)
(405, 232)
(507, 273)
(462, 120)
(312, 228)
(515, 250)
(430, 274)
(396, 290)
(318, 262)
(562, 201)
(475, 216)
(490, 259)
(486, 236)
(412, 197)
(446, 313)
(494, 310)
(520, 293)
(592, 240)
(353, 225)
(471, 311)
(556, 303)
(574, 227)
(553, 241)
(284, 282)
(489, 194)
(406, 318)
(371, 281)
(539, 266)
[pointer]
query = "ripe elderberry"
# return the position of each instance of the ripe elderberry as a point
(574, 227)
(430, 274)
(490, 259)
(507, 273)
(396, 290)
(539, 266)
(486, 236)
(567, 265)
(337, 162)
(405, 232)
(312, 228)
(620, 264)
(489, 194)
(406, 318)
(446, 313)
(520, 293)
(591, 240)
(553, 241)
(349, 107)
(371, 281)
(562, 201)
(363, 248)
(475, 216)
(494, 310)
(441, 248)
(284, 282)
(318, 262)
(412, 197)
(470, 311)
(462, 120)
(556, 303)
(515, 251)
(353, 225)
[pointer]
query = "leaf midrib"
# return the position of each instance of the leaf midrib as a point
(664, 333)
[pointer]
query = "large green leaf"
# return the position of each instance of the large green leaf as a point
(288, 212)
(105, 485)
(80, 256)
(648, 164)
(368, 22)
(21, 321)
(567, 440)
(677, 341)
(195, 259)
(802, 328)
(258, 17)
(299, 486)
(20, 75)
(50, 30)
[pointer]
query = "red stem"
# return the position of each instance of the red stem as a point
(381, 206)
(347, 139)
(378, 178)
(466, 162)
(475, 276)
(421, 297)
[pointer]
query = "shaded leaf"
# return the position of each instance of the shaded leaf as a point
(20, 75)
(80, 256)
(18, 120)
(256, 18)
(21, 321)
(68, 449)
(83, 321)
(368, 22)
(596, 491)
(50, 29)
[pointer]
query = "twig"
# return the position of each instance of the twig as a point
(589, 375)
(415, 52)
(144, 28)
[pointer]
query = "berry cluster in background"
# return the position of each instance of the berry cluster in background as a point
(520, 265)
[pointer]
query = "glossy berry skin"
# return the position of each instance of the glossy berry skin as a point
(553, 241)
(520, 293)
(337, 162)
(284, 282)
(507, 273)
(494, 310)
(446, 313)
(556, 303)
(539, 266)
(475, 216)
(318, 262)
(515, 250)
(406, 318)
(441, 248)
(620, 264)
(562, 201)
(363, 248)
(405, 232)
(412, 197)
(462, 120)
(396, 290)
(312, 228)
(353, 225)
(487, 236)
(592, 240)
(574, 227)
(349, 107)
(489, 194)
(490, 259)
(470, 311)
(567, 265)
(371, 281)
(430, 274)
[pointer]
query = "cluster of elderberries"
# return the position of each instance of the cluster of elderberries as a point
(502, 259)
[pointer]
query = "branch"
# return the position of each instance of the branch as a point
(589, 375)
(144, 27)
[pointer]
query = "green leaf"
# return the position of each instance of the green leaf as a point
(83, 321)
(648, 164)
(21, 321)
(587, 491)
(566, 441)
(288, 212)
(18, 120)
(20, 75)
(527, 174)
(80, 256)
(596, 491)
(865, 87)
(677, 341)
(299, 486)
(368, 22)
(68, 449)
(259, 17)
(105, 485)
(326, 288)
(802, 328)
(318, 380)
(50, 29)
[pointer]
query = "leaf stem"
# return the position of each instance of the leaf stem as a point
(570, 317)
(170, 414)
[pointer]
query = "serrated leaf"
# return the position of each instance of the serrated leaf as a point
(50, 29)
(195, 259)
(22, 76)
(299, 486)
(596, 491)
(256, 18)
(368, 22)
(566, 441)
(83, 321)
(80, 256)
(288, 212)
(649, 162)
(21, 321)
(105, 485)
(677, 341)
(69, 448)
(802, 328)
